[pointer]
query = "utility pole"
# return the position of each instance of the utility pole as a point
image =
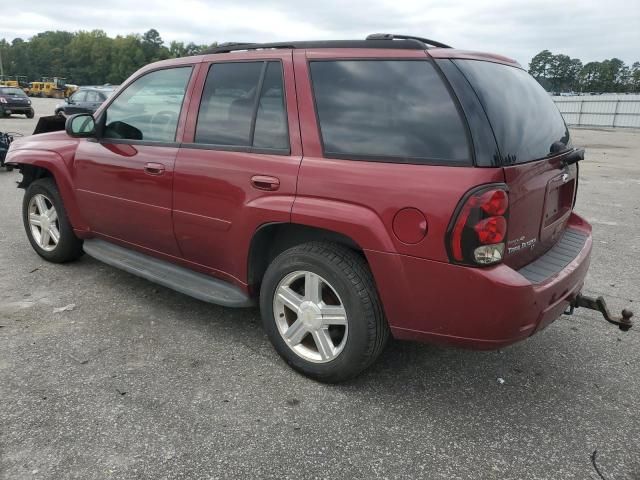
(1, 67)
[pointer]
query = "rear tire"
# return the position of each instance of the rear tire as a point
(43, 211)
(340, 333)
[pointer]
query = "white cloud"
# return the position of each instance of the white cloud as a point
(589, 29)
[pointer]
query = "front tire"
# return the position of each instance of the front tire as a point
(30, 114)
(47, 225)
(320, 309)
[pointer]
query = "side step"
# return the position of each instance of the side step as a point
(183, 280)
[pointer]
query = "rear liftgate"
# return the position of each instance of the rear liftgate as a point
(623, 322)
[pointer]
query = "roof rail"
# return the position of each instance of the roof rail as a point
(235, 46)
(392, 36)
(232, 44)
(377, 40)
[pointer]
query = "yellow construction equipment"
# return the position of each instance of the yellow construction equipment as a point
(19, 81)
(36, 89)
(55, 87)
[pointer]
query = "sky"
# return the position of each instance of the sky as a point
(590, 30)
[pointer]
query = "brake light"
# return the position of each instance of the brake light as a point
(495, 202)
(491, 230)
(480, 227)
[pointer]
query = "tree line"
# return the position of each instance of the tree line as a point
(88, 57)
(561, 73)
(92, 58)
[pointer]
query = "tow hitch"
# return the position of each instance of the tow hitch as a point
(623, 322)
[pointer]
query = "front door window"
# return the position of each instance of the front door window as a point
(149, 108)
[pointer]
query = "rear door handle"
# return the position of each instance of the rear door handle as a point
(152, 168)
(265, 182)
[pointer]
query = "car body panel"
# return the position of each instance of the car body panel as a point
(54, 163)
(216, 208)
(482, 308)
(119, 199)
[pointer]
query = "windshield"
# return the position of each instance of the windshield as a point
(11, 91)
(524, 118)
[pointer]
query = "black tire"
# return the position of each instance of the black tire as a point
(8, 168)
(69, 246)
(30, 114)
(350, 277)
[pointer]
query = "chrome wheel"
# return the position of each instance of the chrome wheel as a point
(43, 220)
(310, 316)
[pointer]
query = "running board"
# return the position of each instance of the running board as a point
(183, 280)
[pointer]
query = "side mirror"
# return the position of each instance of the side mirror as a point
(81, 125)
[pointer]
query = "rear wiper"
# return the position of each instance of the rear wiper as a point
(575, 156)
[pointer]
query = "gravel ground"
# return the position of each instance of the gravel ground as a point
(138, 381)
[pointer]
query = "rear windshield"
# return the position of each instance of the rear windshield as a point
(524, 118)
(11, 91)
(387, 110)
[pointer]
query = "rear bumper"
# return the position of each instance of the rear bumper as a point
(481, 308)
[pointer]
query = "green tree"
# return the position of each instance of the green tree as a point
(539, 67)
(635, 78)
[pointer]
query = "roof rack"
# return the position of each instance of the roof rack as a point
(376, 40)
(392, 36)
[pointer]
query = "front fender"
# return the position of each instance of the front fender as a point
(53, 163)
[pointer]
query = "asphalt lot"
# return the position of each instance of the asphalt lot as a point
(141, 382)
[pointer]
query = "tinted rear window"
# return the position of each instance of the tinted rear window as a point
(524, 118)
(229, 114)
(387, 110)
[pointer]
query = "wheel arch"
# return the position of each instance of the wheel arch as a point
(36, 164)
(271, 239)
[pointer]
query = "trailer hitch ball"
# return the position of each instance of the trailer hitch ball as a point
(623, 322)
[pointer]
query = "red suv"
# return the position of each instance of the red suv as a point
(355, 189)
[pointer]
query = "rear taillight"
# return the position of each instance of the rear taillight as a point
(478, 231)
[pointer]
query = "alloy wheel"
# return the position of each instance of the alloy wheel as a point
(43, 220)
(310, 316)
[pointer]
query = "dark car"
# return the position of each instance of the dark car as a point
(84, 100)
(353, 189)
(14, 100)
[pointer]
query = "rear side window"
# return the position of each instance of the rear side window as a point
(524, 118)
(92, 97)
(229, 114)
(387, 110)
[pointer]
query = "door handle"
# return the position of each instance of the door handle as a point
(152, 168)
(264, 182)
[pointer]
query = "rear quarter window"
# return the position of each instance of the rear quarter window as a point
(388, 110)
(525, 121)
